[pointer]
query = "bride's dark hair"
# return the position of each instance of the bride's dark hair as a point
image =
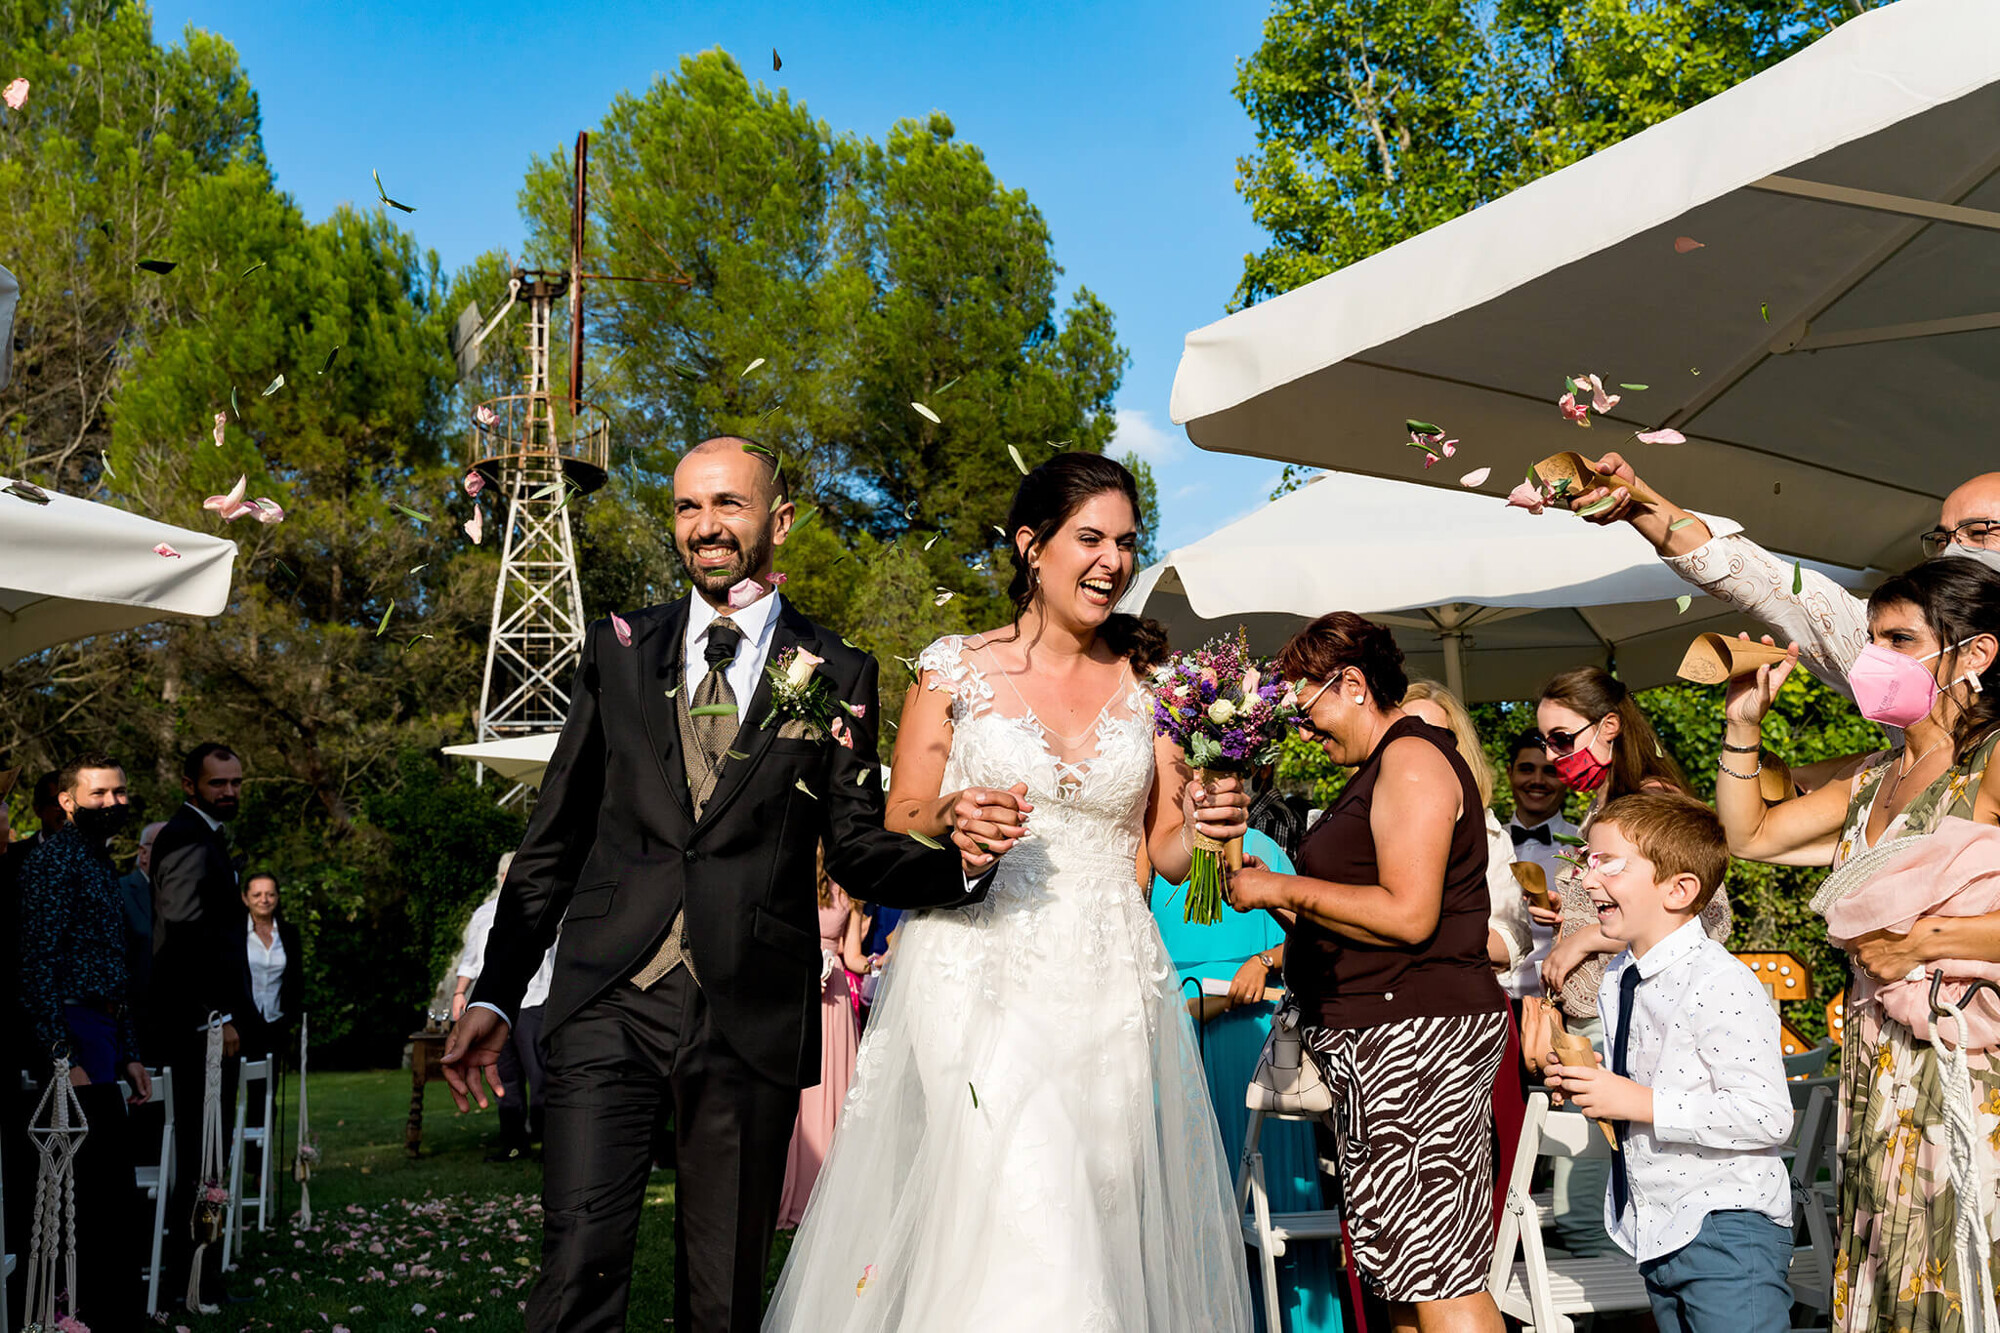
(1043, 503)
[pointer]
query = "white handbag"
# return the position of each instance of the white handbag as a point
(1287, 1082)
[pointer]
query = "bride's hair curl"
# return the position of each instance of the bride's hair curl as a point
(1042, 504)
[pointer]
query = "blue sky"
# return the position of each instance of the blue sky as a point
(1116, 118)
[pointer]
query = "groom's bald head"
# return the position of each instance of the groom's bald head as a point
(762, 457)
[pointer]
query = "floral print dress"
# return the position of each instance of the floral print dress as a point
(1897, 1270)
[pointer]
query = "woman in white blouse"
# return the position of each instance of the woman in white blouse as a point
(276, 967)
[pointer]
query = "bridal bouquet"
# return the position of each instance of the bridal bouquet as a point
(1227, 717)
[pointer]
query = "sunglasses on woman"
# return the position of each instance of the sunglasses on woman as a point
(1560, 743)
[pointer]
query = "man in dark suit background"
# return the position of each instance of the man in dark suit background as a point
(200, 969)
(673, 845)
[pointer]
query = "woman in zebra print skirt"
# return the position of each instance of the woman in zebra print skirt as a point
(1386, 952)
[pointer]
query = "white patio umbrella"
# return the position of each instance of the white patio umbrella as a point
(1832, 352)
(521, 759)
(1491, 600)
(73, 568)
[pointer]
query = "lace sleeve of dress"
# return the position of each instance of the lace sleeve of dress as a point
(942, 666)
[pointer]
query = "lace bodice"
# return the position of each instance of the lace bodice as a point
(1089, 791)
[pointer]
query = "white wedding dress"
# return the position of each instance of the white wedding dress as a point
(1028, 1141)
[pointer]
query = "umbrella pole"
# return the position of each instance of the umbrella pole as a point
(1454, 661)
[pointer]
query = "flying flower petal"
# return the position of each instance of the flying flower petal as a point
(1686, 244)
(1572, 410)
(1664, 435)
(1475, 478)
(16, 94)
(1428, 460)
(841, 732)
(752, 366)
(774, 580)
(1448, 448)
(943, 595)
(27, 490)
(1683, 602)
(1798, 578)
(925, 413)
(1636, 388)
(1680, 523)
(744, 592)
(475, 527)
(221, 421)
(776, 63)
(269, 511)
(274, 386)
(485, 415)
(1764, 309)
(167, 551)
(231, 504)
(621, 629)
(384, 194)
(1015, 454)
(801, 785)
(1417, 428)
(1527, 496)
(474, 483)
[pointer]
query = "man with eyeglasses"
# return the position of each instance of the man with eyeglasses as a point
(1829, 624)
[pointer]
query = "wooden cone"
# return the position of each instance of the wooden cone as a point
(1534, 882)
(1573, 467)
(1714, 658)
(1572, 1049)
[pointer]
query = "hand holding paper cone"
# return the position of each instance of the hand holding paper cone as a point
(1714, 658)
(1573, 468)
(1572, 1049)
(1534, 882)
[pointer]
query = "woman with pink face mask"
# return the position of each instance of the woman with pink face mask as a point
(1601, 743)
(1932, 668)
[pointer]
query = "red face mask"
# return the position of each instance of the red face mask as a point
(1581, 770)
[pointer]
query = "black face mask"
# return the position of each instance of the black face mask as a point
(98, 826)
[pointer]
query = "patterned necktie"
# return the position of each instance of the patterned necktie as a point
(1628, 987)
(714, 731)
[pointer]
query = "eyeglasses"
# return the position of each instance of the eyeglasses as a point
(1972, 532)
(1560, 743)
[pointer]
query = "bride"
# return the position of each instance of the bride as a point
(1028, 1141)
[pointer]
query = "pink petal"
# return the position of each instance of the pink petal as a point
(221, 420)
(1478, 477)
(167, 551)
(1428, 460)
(859, 710)
(744, 592)
(475, 527)
(841, 733)
(484, 415)
(774, 579)
(1665, 435)
(16, 94)
(621, 629)
(1573, 410)
(474, 484)
(1685, 244)
(1527, 496)
(1449, 447)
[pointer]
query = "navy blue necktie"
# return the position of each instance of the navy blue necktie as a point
(1628, 986)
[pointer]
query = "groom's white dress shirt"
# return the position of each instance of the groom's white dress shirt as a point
(758, 621)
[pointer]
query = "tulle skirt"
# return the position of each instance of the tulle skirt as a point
(1028, 1142)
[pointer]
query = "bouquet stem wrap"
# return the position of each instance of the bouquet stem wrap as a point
(1214, 862)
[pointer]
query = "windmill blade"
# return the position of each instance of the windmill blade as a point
(577, 220)
(465, 341)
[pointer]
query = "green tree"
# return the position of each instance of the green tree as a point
(1378, 119)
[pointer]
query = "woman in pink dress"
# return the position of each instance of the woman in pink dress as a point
(819, 1106)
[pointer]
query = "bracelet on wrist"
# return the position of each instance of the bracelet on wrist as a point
(1741, 749)
(1722, 767)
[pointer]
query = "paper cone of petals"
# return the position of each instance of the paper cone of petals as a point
(1714, 658)
(1534, 882)
(1572, 467)
(1572, 1049)
(1775, 782)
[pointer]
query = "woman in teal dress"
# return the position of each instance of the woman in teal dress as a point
(1230, 1044)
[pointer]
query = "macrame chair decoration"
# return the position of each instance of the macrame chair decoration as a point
(211, 1199)
(57, 1130)
(306, 1154)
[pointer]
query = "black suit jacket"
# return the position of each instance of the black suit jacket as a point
(199, 961)
(614, 851)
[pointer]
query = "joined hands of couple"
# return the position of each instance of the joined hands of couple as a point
(987, 823)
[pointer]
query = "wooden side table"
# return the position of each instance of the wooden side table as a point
(426, 1066)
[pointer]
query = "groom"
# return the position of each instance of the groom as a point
(673, 845)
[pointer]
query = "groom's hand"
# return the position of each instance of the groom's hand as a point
(986, 823)
(476, 1042)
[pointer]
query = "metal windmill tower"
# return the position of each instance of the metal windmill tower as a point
(537, 450)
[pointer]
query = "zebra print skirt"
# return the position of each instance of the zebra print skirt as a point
(1413, 1118)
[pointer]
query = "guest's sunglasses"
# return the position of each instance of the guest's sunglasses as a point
(1560, 743)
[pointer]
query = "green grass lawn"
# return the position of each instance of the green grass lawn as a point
(440, 1242)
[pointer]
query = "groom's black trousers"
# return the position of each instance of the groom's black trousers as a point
(614, 1069)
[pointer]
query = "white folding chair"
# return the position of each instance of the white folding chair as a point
(1267, 1232)
(259, 1072)
(156, 1181)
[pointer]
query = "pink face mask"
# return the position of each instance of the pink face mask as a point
(1895, 689)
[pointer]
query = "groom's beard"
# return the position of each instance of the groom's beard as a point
(743, 561)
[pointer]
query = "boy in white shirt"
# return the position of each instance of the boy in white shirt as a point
(1696, 1082)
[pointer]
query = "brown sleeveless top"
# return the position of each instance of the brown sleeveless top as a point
(1343, 983)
